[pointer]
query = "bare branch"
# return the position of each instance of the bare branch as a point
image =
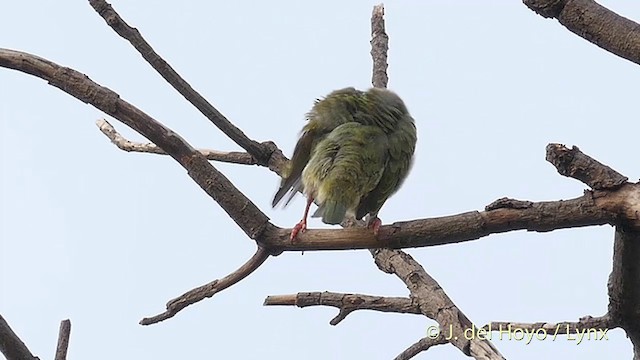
(130, 146)
(434, 302)
(63, 340)
(584, 325)
(244, 212)
(597, 208)
(10, 344)
(576, 164)
(624, 284)
(347, 303)
(208, 290)
(260, 152)
(431, 298)
(379, 47)
(594, 23)
(421, 345)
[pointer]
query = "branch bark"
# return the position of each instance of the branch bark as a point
(347, 303)
(63, 340)
(593, 208)
(434, 302)
(10, 344)
(594, 23)
(624, 284)
(575, 164)
(421, 345)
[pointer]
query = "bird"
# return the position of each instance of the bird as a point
(354, 152)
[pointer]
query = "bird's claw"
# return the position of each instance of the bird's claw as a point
(299, 228)
(375, 225)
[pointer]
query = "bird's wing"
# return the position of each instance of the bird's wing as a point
(400, 154)
(345, 166)
(339, 107)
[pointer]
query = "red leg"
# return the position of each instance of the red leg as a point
(302, 225)
(375, 225)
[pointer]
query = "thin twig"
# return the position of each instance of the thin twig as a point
(10, 344)
(63, 340)
(208, 290)
(347, 303)
(126, 145)
(260, 152)
(421, 345)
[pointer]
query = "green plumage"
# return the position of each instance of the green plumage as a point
(353, 153)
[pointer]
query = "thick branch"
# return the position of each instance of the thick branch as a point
(590, 209)
(63, 340)
(208, 290)
(10, 344)
(260, 152)
(624, 284)
(347, 303)
(594, 23)
(434, 302)
(576, 164)
(244, 212)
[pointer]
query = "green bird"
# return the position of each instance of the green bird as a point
(353, 154)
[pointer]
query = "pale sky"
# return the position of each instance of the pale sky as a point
(105, 238)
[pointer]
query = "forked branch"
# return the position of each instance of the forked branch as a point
(260, 152)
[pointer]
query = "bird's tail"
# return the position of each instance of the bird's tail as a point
(332, 212)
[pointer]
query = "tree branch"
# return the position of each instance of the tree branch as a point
(208, 290)
(129, 146)
(594, 23)
(624, 284)
(244, 212)
(421, 345)
(10, 344)
(347, 303)
(262, 153)
(63, 340)
(593, 208)
(434, 302)
(575, 164)
(431, 298)
(379, 47)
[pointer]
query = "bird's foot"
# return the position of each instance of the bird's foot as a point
(375, 225)
(299, 228)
